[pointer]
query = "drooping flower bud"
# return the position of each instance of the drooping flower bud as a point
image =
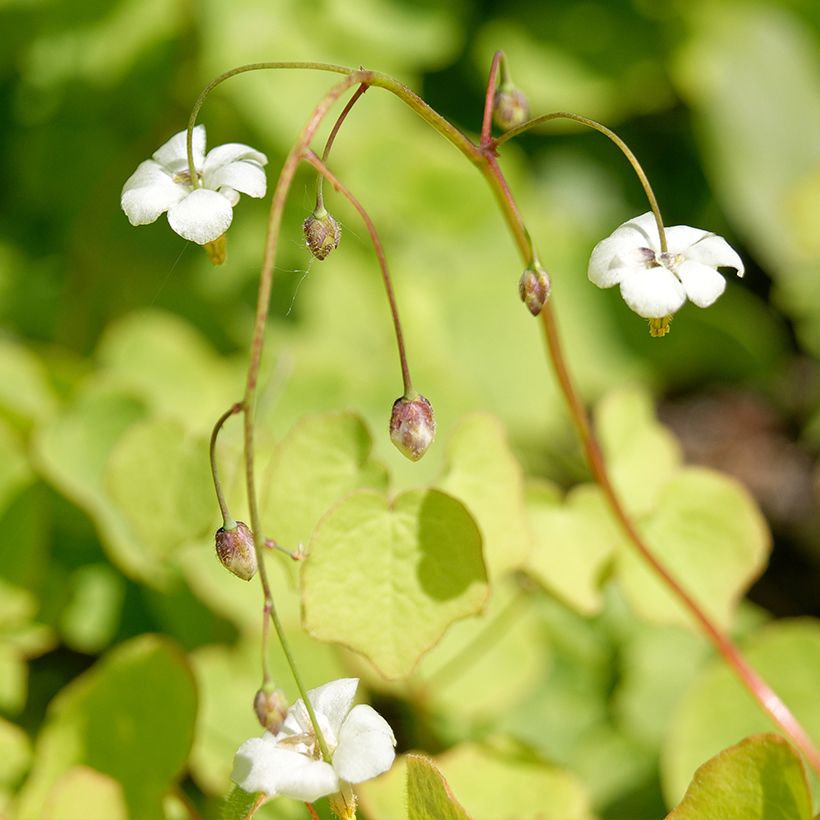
(271, 709)
(510, 107)
(322, 233)
(217, 250)
(236, 551)
(534, 288)
(412, 426)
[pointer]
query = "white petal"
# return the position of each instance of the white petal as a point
(716, 251)
(148, 192)
(366, 746)
(247, 177)
(202, 216)
(653, 293)
(642, 231)
(615, 256)
(262, 766)
(231, 152)
(333, 700)
(255, 766)
(229, 194)
(703, 284)
(309, 780)
(173, 155)
(679, 238)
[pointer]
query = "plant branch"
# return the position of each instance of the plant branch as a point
(324, 171)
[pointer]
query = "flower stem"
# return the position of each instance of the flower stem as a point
(320, 203)
(489, 98)
(227, 519)
(265, 284)
(324, 171)
(610, 134)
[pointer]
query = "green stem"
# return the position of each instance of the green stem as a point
(228, 521)
(610, 134)
(324, 171)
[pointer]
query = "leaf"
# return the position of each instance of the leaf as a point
(131, 717)
(92, 613)
(492, 783)
(711, 537)
(641, 454)
(162, 359)
(428, 795)
(717, 709)
(24, 389)
(574, 542)
(387, 579)
(15, 752)
(84, 792)
(760, 778)
(321, 460)
(485, 476)
(238, 805)
(158, 478)
(467, 673)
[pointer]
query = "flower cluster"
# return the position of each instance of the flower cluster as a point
(289, 763)
(199, 211)
(656, 283)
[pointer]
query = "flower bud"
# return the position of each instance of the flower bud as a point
(322, 233)
(412, 426)
(271, 709)
(510, 107)
(236, 551)
(534, 288)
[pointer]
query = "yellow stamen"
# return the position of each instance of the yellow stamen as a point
(659, 327)
(217, 250)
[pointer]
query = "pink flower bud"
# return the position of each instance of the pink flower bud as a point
(322, 233)
(412, 426)
(236, 551)
(510, 107)
(534, 288)
(271, 709)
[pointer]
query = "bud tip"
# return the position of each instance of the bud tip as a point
(412, 426)
(322, 233)
(236, 550)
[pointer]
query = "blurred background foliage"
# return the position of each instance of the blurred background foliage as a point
(119, 348)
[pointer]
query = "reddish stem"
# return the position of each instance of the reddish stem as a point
(489, 99)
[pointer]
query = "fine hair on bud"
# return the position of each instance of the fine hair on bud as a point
(236, 551)
(322, 233)
(534, 288)
(412, 426)
(271, 709)
(510, 107)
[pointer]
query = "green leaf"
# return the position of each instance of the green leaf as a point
(92, 613)
(428, 795)
(492, 783)
(321, 460)
(238, 805)
(162, 359)
(467, 673)
(711, 537)
(158, 478)
(24, 389)
(760, 778)
(84, 792)
(15, 471)
(717, 709)
(641, 454)
(15, 752)
(484, 475)
(574, 543)
(387, 579)
(130, 717)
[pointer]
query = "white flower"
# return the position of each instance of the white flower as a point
(360, 742)
(200, 214)
(656, 284)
